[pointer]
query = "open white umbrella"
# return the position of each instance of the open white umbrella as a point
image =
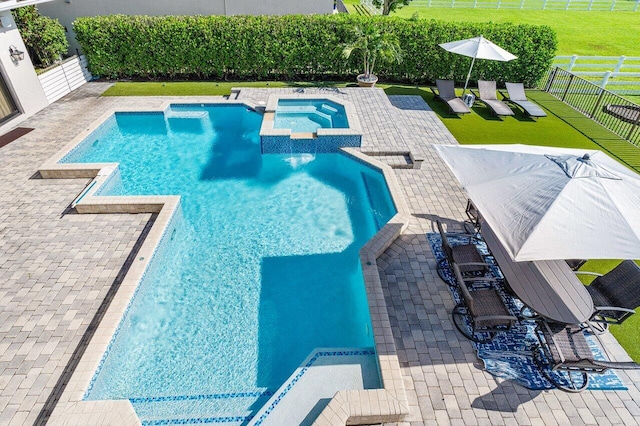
(480, 48)
(552, 203)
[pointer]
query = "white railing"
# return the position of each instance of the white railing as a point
(65, 77)
(619, 74)
(601, 5)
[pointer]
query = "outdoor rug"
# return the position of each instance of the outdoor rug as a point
(509, 355)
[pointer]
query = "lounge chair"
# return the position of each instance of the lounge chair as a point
(447, 94)
(466, 256)
(564, 357)
(488, 96)
(483, 306)
(615, 294)
(516, 96)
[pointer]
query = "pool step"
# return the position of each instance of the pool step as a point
(309, 389)
(397, 159)
(328, 109)
(232, 408)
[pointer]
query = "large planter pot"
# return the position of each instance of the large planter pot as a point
(367, 81)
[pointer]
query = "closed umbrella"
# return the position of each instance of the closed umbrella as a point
(480, 48)
(551, 203)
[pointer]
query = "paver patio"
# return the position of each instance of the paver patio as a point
(57, 267)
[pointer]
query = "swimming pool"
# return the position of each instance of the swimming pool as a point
(309, 115)
(228, 307)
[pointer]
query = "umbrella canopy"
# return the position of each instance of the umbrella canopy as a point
(552, 203)
(480, 48)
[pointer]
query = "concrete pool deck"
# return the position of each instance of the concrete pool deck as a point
(57, 267)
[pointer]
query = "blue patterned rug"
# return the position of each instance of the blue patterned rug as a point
(509, 355)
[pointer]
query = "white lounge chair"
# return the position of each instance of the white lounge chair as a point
(517, 97)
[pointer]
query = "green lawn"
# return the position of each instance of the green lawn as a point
(595, 33)
(562, 127)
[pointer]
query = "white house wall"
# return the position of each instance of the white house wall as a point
(66, 11)
(20, 76)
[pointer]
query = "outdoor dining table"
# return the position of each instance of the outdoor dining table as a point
(548, 287)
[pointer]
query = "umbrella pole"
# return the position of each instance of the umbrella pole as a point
(468, 76)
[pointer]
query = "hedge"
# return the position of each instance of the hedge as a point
(298, 47)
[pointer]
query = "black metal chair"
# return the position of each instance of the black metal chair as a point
(466, 256)
(483, 306)
(564, 358)
(615, 294)
(473, 218)
(575, 264)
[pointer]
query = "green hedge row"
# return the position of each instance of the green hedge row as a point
(298, 47)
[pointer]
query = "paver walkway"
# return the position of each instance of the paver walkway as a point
(56, 268)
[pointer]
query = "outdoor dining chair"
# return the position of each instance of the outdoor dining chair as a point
(473, 218)
(447, 94)
(565, 359)
(615, 294)
(488, 96)
(517, 96)
(483, 306)
(465, 255)
(575, 264)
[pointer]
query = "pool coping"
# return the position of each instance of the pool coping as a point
(353, 407)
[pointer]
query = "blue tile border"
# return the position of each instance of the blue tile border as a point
(303, 371)
(201, 397)
(204, 420)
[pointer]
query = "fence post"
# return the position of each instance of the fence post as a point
(564, 95)
(598, 102)
(635, 8)
(572, 62)
(551, 80)
(619, 65)
(475, 3)
(605, 79)
(590, 4)
(522, 4)
(498, 4)
(613, 5)
(544, 4)
(566, 5)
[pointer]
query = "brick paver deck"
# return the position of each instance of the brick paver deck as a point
(57, 267)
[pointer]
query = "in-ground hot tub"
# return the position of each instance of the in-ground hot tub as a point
(309, 115)
(309, 124)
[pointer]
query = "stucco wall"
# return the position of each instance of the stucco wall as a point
(66, 11)
(20, 76)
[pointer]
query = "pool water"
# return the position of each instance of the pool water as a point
(262, 266)
(309, 115)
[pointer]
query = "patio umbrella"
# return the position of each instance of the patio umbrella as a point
(477, 47)
(552, 203)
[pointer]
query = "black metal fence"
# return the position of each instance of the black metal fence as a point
(614, 112)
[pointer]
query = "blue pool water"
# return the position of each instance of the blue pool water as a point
(259, 268)
(308, 115)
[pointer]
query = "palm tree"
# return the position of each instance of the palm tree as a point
(373, 44)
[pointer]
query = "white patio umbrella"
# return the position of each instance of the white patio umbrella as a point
(480, 48)
(552, 203)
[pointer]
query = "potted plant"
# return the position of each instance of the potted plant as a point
(373, 44)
